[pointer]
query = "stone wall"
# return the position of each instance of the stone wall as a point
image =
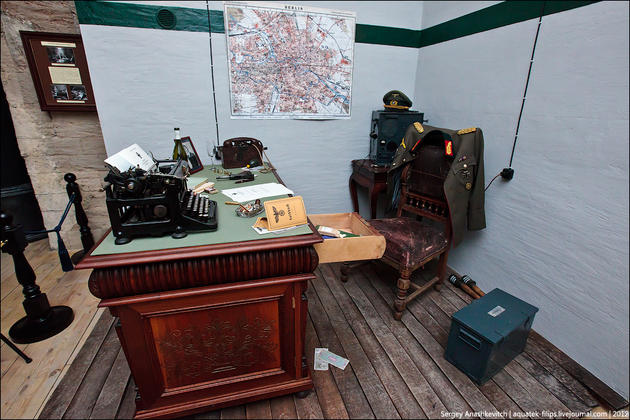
(54, 143)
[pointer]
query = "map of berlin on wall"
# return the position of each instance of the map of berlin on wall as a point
(288, 61)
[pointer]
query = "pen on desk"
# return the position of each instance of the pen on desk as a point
(234, 203)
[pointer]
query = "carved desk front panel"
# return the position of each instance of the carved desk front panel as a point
(200, 349)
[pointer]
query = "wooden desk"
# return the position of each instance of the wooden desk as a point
(207, 323)
(374, 178)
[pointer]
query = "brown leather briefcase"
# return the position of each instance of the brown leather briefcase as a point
(239, 152)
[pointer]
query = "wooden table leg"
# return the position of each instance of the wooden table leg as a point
(373, 201)
(353, 194)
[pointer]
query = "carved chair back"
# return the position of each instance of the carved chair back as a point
(422, 183)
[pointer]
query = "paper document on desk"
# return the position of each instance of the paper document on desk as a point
(252, 192)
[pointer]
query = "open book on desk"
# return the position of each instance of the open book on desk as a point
(133, 156)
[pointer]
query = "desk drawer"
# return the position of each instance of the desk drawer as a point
(370, 245)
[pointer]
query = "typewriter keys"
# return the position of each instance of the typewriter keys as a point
(198, 207)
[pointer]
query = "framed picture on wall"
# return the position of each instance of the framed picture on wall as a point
(59, 70)
(191, 153)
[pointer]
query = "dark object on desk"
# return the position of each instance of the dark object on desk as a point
(194, 161)
(243, 176)
(464, 184)
(238, 152)
(41, 321)
(487, 334)
(386, 132)
(185, 150)
(371, 176)
(143, 203)
(249, 209)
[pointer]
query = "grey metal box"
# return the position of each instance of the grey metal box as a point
(487, 334)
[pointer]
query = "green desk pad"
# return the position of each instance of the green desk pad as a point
(231, 228)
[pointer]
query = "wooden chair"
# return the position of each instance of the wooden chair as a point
(414, 241)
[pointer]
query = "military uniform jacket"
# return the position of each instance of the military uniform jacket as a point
(464, 184)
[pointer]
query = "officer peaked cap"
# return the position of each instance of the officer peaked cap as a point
(397, 100)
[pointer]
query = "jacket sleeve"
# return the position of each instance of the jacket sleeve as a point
(476, 209)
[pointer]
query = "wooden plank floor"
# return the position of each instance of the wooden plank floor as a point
(397, 369)
(26, 387)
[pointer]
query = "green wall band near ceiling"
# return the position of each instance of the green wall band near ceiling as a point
(196, 20)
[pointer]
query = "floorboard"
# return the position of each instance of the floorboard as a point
(92, 383)
(258, 410)
(112, 394)
(326, 401)
(397, 368)
(417, 383)
(127, 406)
(379, 400)
(475, 398)
(347, 383)
(449, 396)
(27, 387)
(283, 407)
(396, 387)
(65, 391)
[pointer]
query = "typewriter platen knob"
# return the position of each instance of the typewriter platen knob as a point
(131, 185)
(160, 211)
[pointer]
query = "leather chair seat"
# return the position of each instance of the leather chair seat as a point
(409, 241)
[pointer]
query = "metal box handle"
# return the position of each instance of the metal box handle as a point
(470, 340)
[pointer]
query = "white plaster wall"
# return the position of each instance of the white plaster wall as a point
(436, 12)
(148, 81)
(557, 234)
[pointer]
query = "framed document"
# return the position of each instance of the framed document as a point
(191, 153)
(59, 69)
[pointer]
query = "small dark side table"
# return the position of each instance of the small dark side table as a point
(367, 174)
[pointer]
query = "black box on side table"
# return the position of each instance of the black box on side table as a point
(487, 334)
(386, 132)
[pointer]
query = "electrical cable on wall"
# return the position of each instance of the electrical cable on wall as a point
(214, 94)
(490, 183)
(508, 173)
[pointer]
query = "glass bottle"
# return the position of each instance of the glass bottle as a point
(178, 151)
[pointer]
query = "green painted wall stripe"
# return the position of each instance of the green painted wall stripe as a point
(384, 35)
(492, 17)
(144, 16)
(196, 20)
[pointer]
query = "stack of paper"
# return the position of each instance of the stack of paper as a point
(253, 192)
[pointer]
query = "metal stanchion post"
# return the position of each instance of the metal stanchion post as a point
(41, 321)
(86, 234)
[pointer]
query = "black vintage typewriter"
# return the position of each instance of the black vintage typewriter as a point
(153, 203)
